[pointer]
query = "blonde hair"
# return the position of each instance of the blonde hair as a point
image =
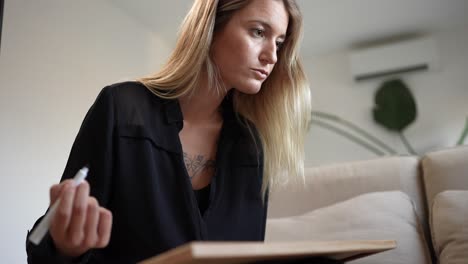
(280, 111)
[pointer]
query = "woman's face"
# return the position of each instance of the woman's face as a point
(245, 49)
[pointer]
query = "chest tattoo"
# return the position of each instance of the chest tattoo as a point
(196, 164)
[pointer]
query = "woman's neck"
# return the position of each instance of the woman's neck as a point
(202, 106)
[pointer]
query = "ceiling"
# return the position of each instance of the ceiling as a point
(329, 24)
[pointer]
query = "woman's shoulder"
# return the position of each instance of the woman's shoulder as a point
(130, 101)
(128, 90)
(130, 94)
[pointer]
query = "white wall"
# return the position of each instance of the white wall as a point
(55, 57)
(442, 98)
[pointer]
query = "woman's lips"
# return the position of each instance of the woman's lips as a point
(260, 74)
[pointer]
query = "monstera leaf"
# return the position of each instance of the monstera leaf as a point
(395, 107)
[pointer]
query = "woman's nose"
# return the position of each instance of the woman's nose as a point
(269, 53)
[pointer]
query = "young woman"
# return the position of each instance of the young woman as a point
(190, 152)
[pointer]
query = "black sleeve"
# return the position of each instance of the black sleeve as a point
(93, 146)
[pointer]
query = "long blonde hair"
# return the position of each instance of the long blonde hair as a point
(280, 111)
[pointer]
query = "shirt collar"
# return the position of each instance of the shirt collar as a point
(173, 113)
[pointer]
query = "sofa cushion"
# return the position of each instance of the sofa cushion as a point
(449, 226)
(330, 184)
(379, 215)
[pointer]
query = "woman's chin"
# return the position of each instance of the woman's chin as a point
(250, 89)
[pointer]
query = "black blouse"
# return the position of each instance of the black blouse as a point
(203, 198)
(129, 138)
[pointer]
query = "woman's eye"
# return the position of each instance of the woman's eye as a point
(257, 32)
(279, 44)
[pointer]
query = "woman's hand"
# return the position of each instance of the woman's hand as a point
(79, 224)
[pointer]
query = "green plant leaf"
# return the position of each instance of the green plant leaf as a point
(395, 106)
(463, 134)
(317, 115)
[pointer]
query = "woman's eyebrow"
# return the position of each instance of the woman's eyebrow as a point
(266, 25)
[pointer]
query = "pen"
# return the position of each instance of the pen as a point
(40, 231)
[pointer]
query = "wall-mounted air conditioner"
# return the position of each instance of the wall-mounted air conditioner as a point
(395, 58)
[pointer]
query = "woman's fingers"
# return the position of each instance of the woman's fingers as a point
(104, 227)
(63, 214)
(57, 189)
(79, 224)
(80, 204)
(91, 225)
(54, 193)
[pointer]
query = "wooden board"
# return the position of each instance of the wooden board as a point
(248, 252)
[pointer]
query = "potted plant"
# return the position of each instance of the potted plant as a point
(395, 109)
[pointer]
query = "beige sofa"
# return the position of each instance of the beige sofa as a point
(422, 203)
